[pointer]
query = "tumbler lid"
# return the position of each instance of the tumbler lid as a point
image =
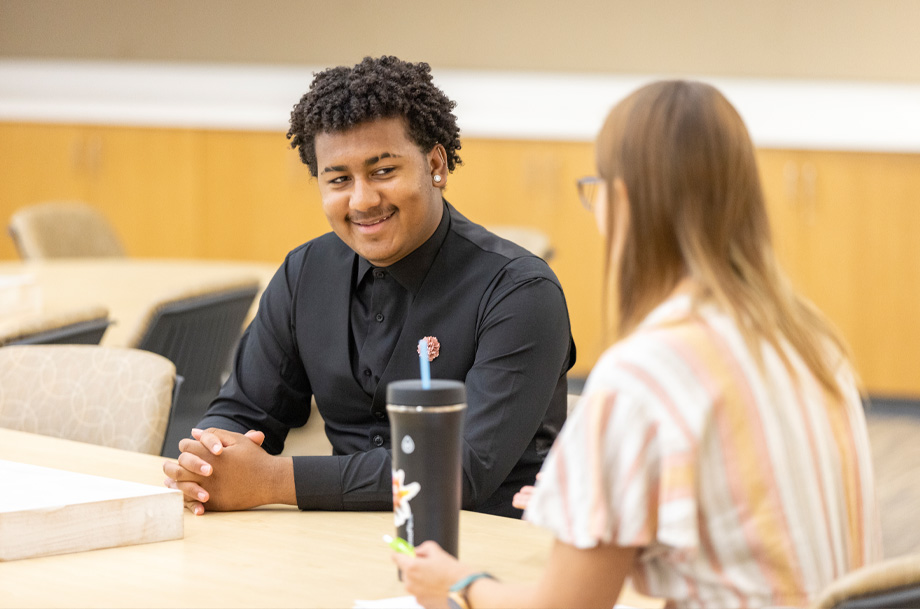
(442, 392)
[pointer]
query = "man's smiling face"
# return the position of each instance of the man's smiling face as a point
(378, 189)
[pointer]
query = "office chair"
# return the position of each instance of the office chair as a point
(198, 331)
(83, 326)
(310, 439)
(571, 402)
(890, 584)
(101, 395)
(63, 230)
(531, 239)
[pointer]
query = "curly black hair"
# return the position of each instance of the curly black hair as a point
(340, 98)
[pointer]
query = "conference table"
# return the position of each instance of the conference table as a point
(275, 556)
(127, 287)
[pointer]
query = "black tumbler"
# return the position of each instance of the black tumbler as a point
(427, 436)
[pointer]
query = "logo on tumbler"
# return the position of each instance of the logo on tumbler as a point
(407, 444)
(402, 494)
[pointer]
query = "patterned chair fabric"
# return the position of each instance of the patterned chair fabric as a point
(63, 230)
(101, 395)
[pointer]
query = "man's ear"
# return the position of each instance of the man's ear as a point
(437, 162)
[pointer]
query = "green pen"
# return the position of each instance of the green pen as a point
(399, 544)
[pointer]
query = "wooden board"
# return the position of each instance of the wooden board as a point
(48, 511)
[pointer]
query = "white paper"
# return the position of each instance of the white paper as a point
(29, 487)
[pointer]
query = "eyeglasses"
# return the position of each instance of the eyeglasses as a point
(587, 190)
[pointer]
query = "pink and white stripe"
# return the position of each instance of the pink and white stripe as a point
(744, 485)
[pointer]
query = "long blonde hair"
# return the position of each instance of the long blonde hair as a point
(696, 209)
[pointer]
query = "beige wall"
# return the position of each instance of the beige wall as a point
(838, 39)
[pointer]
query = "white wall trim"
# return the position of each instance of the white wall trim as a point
(798, 114)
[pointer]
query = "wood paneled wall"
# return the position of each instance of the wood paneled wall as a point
(844, 223)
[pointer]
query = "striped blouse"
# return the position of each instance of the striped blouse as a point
(743, 488)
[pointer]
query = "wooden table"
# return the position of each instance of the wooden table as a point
(127, 286)
(270, 557)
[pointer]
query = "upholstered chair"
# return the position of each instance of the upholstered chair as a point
(109, 396)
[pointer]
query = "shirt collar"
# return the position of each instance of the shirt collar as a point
(410, 271)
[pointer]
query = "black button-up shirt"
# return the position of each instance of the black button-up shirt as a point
(380, 304)
(500, 317)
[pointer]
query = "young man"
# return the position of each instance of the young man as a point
(344, 314)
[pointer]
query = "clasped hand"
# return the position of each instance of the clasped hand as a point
(220, 468)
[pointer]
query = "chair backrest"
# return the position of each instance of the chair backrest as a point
(197, 331)
(531, 239)
(571, 401)
(310, 439)
(102, 395)
(82, 326)
(890, 584)
(63, 230)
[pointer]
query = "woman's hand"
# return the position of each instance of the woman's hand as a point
(430, 573)
(522, 498)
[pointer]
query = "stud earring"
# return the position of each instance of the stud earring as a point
(437, 179)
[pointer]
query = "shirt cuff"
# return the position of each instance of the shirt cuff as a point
(220, 423)
(318, 483)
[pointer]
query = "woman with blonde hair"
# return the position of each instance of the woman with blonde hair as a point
(719, 455)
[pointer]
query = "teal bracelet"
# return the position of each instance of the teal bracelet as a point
(465, 583)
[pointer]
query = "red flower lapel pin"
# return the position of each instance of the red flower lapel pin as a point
(434, 348)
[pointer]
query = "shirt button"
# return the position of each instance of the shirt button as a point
(379, 317)
(380, 416)
(367, 372)
(378, 274)
(378, 441)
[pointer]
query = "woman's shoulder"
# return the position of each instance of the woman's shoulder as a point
(650, 345)
(659, 375)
